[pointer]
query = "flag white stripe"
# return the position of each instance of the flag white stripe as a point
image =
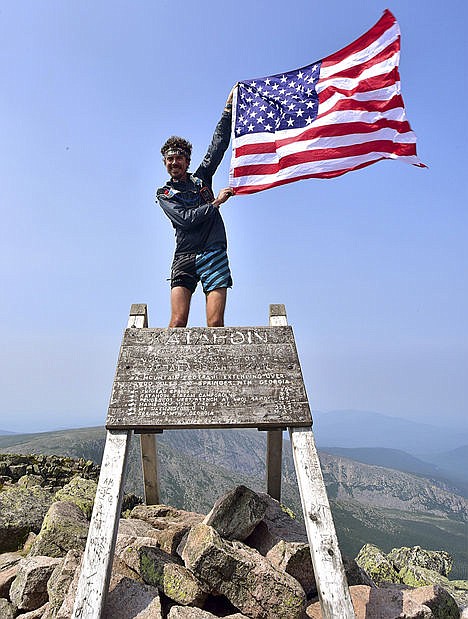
(388, 37)
(381, 68)
(318, 167)
(320, 143)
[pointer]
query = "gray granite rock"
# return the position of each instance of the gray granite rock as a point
(21, 510)
(79, 491)
(248, 580)
(29, 589)
(129, 599)
(178, 583)
(65, 528)
(236, 514)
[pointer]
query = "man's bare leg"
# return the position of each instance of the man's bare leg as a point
(215, 305)
(180, 306)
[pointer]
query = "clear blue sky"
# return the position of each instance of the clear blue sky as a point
(372, 266)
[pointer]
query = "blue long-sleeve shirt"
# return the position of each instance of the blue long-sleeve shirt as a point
(198, 224)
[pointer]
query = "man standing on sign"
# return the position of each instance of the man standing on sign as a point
(201, 244)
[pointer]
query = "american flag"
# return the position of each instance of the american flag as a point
(339, 114)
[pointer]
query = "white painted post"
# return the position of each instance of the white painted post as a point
(275, 437)
(99, 552)
(138, 319)
(330, 576)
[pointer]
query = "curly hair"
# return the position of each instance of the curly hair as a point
(175, 143)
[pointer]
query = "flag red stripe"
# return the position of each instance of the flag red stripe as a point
(327, 131)
(368, 85)
(364, 106)
(245, 189)
(385, 22)
(355, 71)
(321, 154)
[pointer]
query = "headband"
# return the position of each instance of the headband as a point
(177, 151)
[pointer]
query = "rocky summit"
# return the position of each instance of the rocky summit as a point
(248, 557)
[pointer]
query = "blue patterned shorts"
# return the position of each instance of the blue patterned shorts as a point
(211, 268)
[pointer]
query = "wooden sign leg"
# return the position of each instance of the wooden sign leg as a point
(274, 456)
(149, 463)
(99, 552)
(273, 463)
(329, 571)
(138, 319)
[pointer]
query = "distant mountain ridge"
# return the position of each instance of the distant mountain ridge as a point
(370, 504)
(350, 428)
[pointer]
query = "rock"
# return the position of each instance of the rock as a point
(183, 612)
(439, 561)
(159, 569)
(21, 510)
(81, 492)
(127, 548)
(377, 566)
(170, 524)
(7, 576)
(439, 601)
(28, 543)
(36, 614)
(7, 609)
(397, 603)
(29, 589)
(30, 480)
(129, 599)
(60, 580)
(9, 565)
(248, 580)
(294, 559)
(355, 575)
(66, 610)
(236, 514)
(277, 525)
(133, 527)
(416, 576)
(65, 528)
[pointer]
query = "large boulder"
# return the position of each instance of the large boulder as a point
(277, 524)
(29, 589)
(294, 559)
(248, 580)
(65, 528)
(130, 599)
(181, 612)
(438, 561)
(7, 609)
(60, 579)
(169, 524)
(21, 510)
(79, 491)
(159, 569)
(376, 564)
(9, 565)
(236, 514)
(393, 602)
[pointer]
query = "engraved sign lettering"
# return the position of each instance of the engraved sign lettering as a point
(208, 377)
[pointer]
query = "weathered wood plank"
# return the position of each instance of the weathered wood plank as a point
(97, 560)
(138, 317)
(273, 463)
(208, 377)
(149, 462)
(274, 452)
(326, 557)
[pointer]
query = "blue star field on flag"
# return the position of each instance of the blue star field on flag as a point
(283, 101)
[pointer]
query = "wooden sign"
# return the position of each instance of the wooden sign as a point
(208, 377)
